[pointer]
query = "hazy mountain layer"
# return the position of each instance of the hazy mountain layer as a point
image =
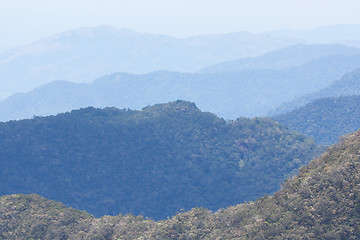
(84, 54)
(153, 162)
(295, 55)
(348, 85)
(321, 202)
(326, 119)
(326, 34)
(229, 95)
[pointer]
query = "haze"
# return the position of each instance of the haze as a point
(23, 21)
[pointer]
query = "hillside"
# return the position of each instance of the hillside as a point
(84, 54)
(291, 56)
(34, 217)
(246, 93)
(326, 119)
(321, 202)
(347, 85)
(152, 162)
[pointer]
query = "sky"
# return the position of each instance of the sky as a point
(24, 21)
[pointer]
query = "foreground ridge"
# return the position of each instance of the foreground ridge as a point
(321, 202)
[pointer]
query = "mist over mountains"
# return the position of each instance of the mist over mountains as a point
(116, 138)
(82, 55)
(339, 33)
(348, 85)
(325, 119)
(292, 56)
(327, 114)
(259, 86)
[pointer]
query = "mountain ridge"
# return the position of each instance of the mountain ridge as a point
(88, 53)
(321, 202)
(323, 34)
(325, 119)
(292, 56)
(347, 85)
(152, 162)
(230, 95)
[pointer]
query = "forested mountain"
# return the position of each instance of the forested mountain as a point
(84, 54)
(348, 85)
(321, 202)
(291, 56)
(325, 119)
(152, 162)
(230, 95)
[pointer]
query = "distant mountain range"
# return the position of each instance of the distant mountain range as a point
(348, 85)
(165, 159)
(340, 33)
(321, 202)
(153, 162)
(325, 119)
(82, 55)
(229, 95)
(292, 56)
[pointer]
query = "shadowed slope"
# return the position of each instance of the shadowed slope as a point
(152, 162)
(326, 119)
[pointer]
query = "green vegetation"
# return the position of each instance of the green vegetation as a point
(153, 162)
(325, 120)
(34, 217)
(321, 202)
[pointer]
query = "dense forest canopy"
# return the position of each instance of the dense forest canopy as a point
(153, 162)
(321, 202)
(326, 119)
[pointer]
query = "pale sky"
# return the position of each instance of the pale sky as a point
(24, 21)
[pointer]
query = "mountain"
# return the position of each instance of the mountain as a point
(324, 34)
(84, 54)
(230, 95)
(153, 162)
(325, 119)
(321, 202)
(52, 221)
(291, 56)
(351, 43)
(347, 85)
